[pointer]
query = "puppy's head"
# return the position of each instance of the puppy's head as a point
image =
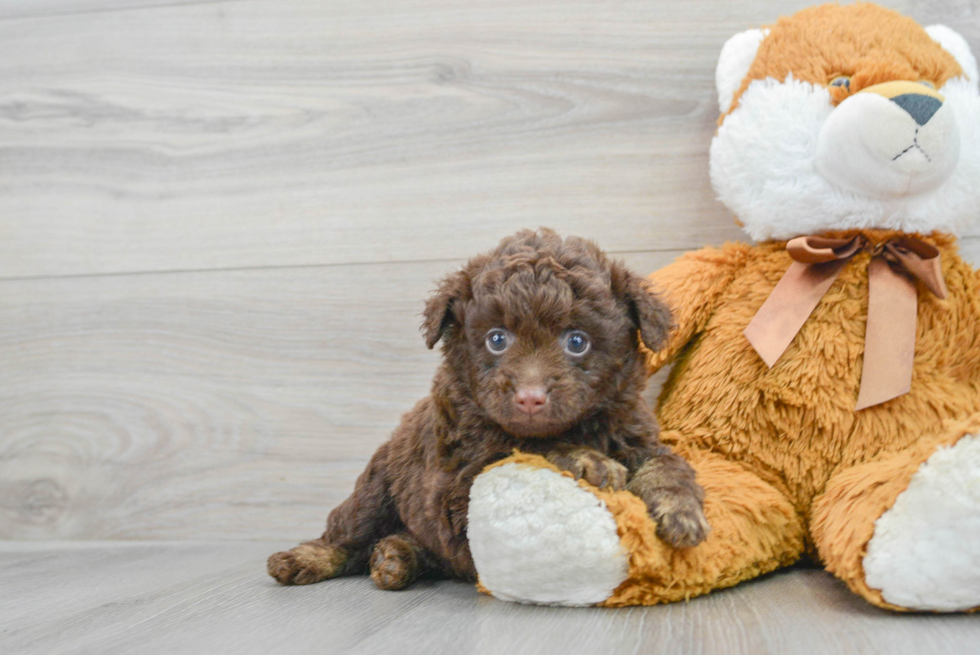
(543, 332)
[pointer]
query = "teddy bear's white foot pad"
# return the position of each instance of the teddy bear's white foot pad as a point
(536, 536)
(925, 552)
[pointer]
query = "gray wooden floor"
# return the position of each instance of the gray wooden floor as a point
(166, 598)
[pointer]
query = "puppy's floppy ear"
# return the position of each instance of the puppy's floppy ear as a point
(649, 313)
(439, 312)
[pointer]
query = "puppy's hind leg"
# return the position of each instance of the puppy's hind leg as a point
(353, 527)
(398, 560)
(310, 562)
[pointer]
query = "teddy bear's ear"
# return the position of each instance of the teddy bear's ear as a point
(957, 46)
(734, 62)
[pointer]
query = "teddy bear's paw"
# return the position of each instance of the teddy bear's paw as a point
(924, 553)
(680, 519)
(538, 537)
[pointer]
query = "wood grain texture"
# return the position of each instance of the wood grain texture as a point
(210, 598)
(264, 133)
(19, 9)
(232, 405)
(210, 405)
(238, 159)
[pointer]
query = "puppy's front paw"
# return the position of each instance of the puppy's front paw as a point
(590, 465)
(679, 516)
(306, 564)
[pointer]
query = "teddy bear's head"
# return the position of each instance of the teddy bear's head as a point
(847, 117)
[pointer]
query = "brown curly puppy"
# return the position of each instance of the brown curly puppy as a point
(541, 352)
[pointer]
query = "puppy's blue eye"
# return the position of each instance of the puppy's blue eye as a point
(577, 343)
(497, 340)
(842, 81)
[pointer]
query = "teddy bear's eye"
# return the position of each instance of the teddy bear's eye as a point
(927, 83)
(498, 340)
(842, 81)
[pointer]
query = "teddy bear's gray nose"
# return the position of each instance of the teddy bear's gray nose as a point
(920, 107)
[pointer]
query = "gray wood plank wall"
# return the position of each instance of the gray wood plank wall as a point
(219, 220)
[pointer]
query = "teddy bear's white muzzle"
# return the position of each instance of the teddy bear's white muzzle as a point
(891, 144)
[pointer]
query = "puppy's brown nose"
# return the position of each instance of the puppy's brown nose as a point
(531, 399)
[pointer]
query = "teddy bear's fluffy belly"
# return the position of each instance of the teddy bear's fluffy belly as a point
(795, 424)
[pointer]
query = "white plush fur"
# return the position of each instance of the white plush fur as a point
(736, 58)
(537, 537)
(957, 46)
(764, 166)
(872, 147)
(925, 552)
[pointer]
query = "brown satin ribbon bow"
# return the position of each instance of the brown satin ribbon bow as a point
(889, 340)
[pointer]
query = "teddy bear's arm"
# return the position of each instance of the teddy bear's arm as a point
(691, 286)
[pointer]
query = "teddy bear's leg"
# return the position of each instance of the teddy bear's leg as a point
(537, 535)
(753, 530)
(903, 531)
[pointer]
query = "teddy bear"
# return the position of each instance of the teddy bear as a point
(826, 380)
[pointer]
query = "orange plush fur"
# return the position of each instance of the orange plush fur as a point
(817, 44)
(818, 474)
(792, 430)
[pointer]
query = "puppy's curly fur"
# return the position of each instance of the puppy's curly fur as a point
(541, 352)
